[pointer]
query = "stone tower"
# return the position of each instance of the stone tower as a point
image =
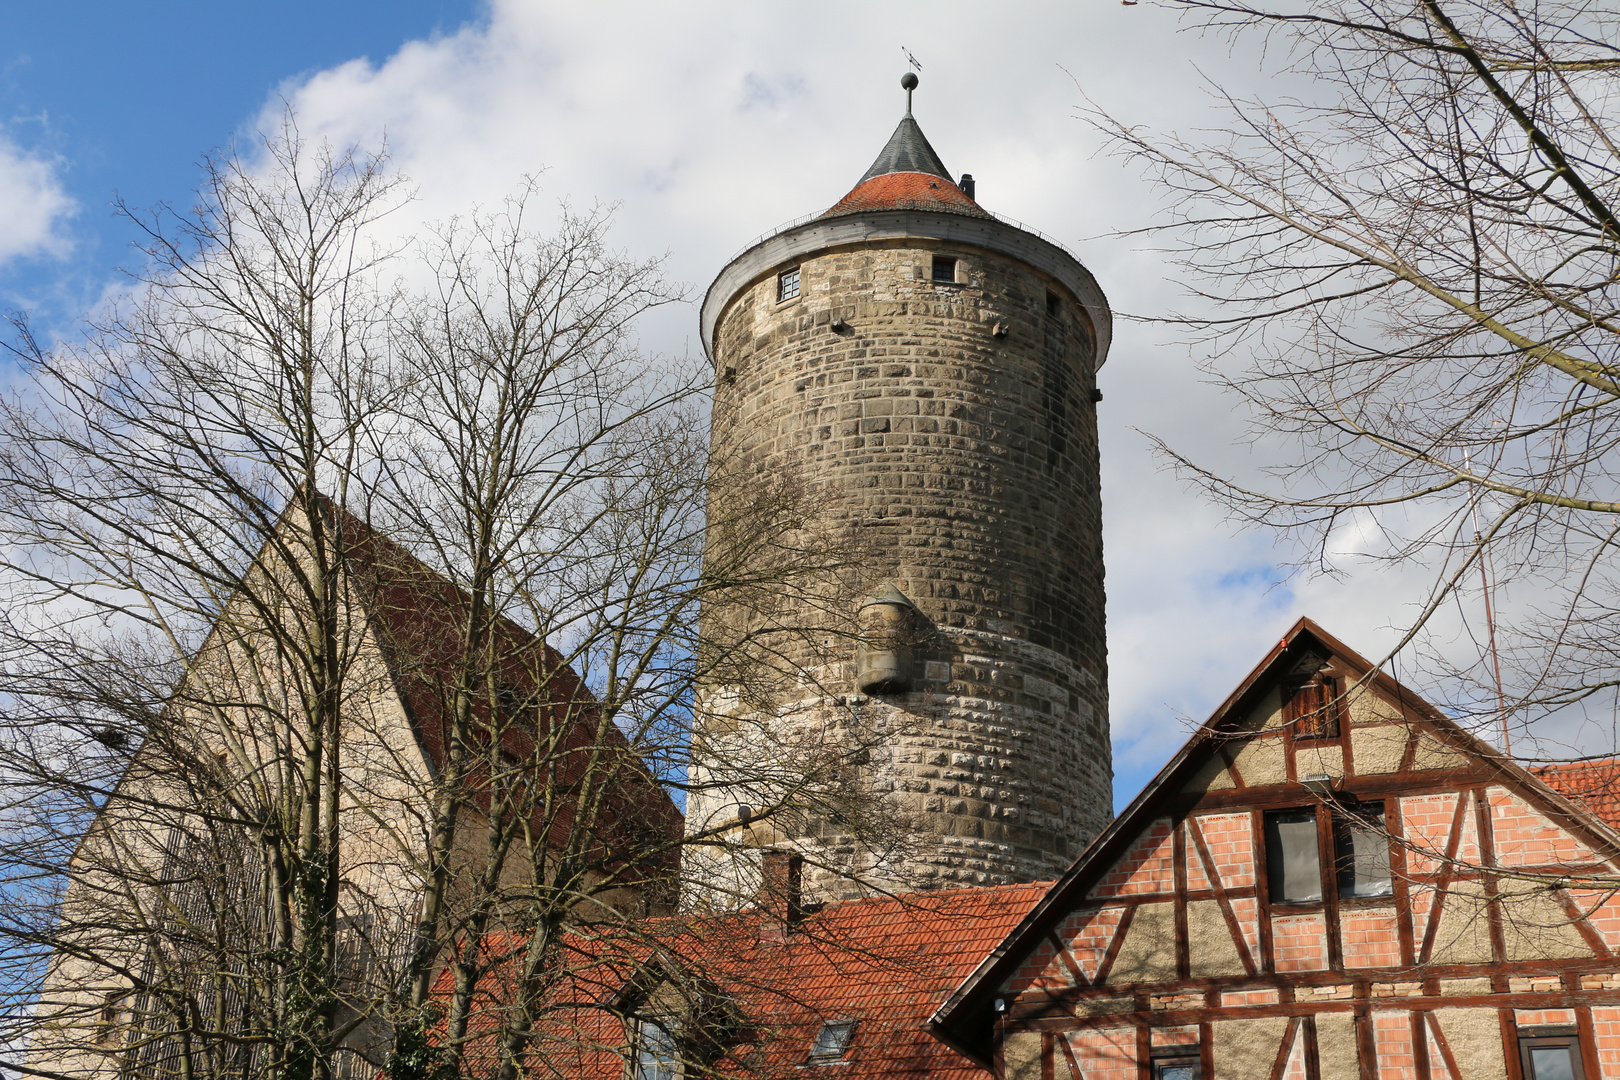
(928, 370)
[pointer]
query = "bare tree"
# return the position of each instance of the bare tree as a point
(1409, 278)
(181, 670)
(562, 480)
(352, 655)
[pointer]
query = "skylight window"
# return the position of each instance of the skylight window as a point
(832, 1042)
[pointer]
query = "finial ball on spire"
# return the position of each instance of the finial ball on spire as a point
(908, 81)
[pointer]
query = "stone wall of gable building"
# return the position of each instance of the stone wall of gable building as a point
(948, 434)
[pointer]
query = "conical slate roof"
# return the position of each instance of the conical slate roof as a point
(907, 151)
(907, 175)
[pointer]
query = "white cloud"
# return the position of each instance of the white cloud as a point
(33, 206)
(711, 123)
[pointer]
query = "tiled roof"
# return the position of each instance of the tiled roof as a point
(906, 191)
(420, 616)
(1594, 785)
(886, 963)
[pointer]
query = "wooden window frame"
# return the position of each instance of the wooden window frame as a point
(1333, 825)
(1342, 822)
(1568, 1037)
(1324, 720)
(670, 1026)
(1185, 1054)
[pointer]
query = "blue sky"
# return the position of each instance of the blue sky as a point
(123, 98)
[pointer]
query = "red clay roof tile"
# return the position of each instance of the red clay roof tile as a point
(1594, 785)
(886, 963)
(906, 191)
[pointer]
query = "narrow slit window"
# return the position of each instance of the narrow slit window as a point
(1551, 1057)
(1362, 845)
(1054, 305)
(944, 268)
(787, 285)
(1293, 860)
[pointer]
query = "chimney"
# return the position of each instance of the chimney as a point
(966, 185)
(779, 892)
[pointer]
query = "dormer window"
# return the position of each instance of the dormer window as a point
(831, 1042)
(655, 1054)
(787, 285)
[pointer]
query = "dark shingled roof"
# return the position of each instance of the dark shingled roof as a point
(907, 151)
(907, 175)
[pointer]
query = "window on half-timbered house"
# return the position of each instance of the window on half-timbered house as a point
(1178, 1067)
(1361, 846)
(1294, 867)
(1293, 863)
(1311, 708)
(1551, 1056)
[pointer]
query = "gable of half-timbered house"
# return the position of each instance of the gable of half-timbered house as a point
(1331, 881)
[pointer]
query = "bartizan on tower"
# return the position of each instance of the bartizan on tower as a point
(927, 371)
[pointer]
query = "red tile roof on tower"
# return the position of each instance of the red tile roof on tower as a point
(906, 191)
(420, 619)
(907, 175)
(885, 963)
(1593, 785)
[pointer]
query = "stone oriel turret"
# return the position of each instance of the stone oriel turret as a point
(929, 371)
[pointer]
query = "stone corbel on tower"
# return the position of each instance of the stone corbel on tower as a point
(888, 622)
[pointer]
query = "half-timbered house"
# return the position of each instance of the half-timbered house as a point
(1331, 881)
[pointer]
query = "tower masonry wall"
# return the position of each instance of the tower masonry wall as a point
(949, 431)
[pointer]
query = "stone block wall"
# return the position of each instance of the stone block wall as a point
(949, 431)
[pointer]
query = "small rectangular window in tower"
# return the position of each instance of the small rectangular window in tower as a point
(944, 268)
(787, 285)
(1053, 304)
(1551, 1054)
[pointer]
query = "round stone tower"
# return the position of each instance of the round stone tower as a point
(927, 371)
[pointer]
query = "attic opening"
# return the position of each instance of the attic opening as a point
(1311, 708)
(655, 1054)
